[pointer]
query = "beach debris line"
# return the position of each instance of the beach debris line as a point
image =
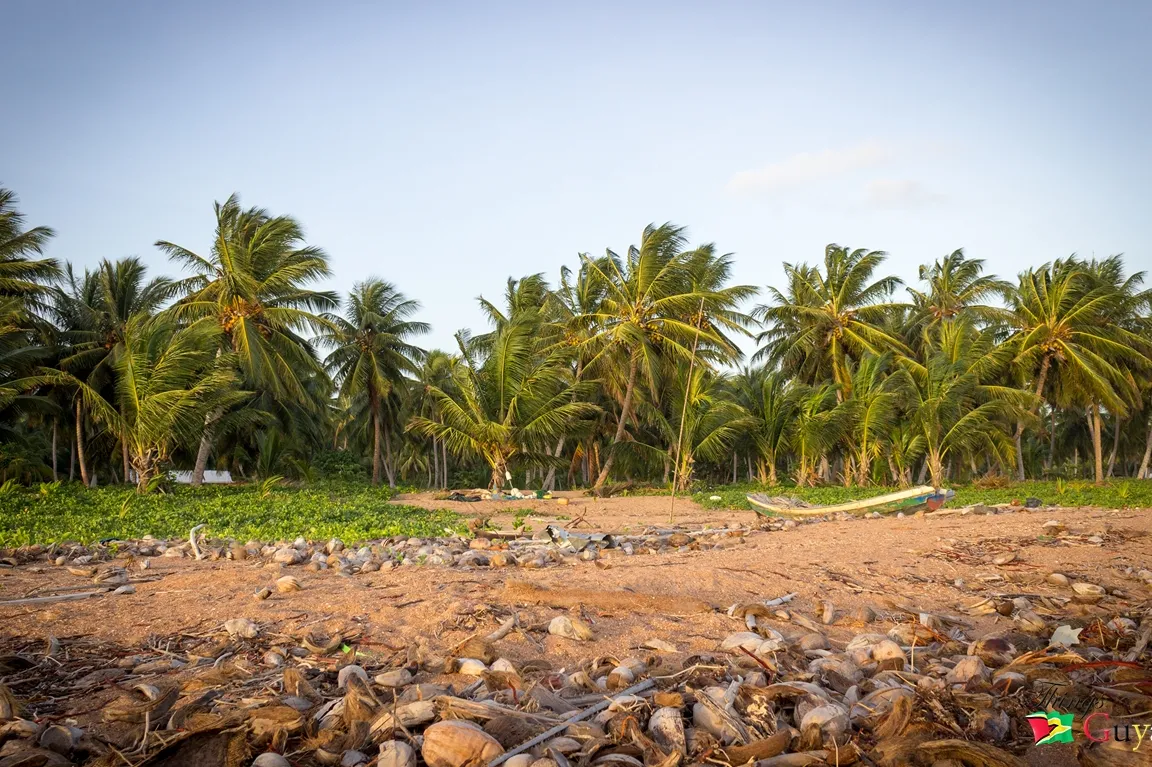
(785, 686)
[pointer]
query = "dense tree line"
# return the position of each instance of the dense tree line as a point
(627, 367)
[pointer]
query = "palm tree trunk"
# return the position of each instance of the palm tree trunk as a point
(936, 469)
(734, 467)
(389, 466)
(55, 475)
(376, 460)
(444, 462)
(1097, 446)
(1115, 445)
(625, 413)
(1052, 441)
(127, 466)
(205, 448)
(1040, 379)
(1143, 472)
(772, 478)
(71, 459)
(435, 464)
(80, 444)
(550, 478)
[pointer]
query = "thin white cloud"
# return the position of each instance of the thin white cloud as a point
(900, 193)
(807, 167)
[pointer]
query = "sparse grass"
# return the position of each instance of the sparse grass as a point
(520, 520)
(1122, 493)
(353, 512)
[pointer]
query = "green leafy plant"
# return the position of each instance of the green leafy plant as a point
(267, 484)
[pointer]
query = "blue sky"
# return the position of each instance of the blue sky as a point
(445, 147)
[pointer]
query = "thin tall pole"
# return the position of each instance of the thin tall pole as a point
(684, 413)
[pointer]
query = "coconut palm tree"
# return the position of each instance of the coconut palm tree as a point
(826, 318)
(372, 354)
(253, 285)
(706, 428)
(873, 411)
(771, 405)
(166, 380)
(95, 310)
(956, 289)
(511, 402)
(1070, 333)
(23, 279)
(438, 371)
(819, 422)
(651, 310)
(955, 405)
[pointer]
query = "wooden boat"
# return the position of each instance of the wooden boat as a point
(912, 499)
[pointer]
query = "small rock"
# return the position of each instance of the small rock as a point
(287, 556)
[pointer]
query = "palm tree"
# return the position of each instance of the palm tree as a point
(707, 428)
(825, 319)
(95, 310)
(874, 408)
(954, 406)
(253, 286)
(22, 279)
(771, 405)
(439, 372)
(956, 289)
(651, 309)
(819, 423)
(512, 401)
(372, 354)
(1069, 327)
(166, 380)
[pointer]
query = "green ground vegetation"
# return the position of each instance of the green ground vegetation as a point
(1116, 495)
(53, 513)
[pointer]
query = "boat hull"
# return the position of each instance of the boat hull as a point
(913, 499)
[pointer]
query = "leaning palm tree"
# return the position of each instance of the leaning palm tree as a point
(166, 380)
(253, 285)
(372, 354)
(651, 309)
(94, 310)
(826, 318)
(511, 402)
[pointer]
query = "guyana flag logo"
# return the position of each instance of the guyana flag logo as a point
(1051, 727)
